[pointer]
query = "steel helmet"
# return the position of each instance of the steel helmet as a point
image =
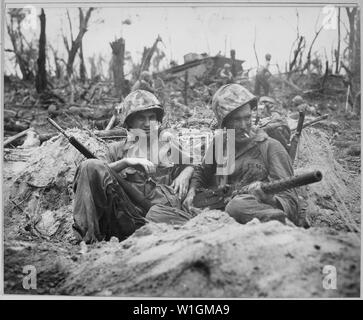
(140, 100)
(229, 98)
(297, 100)
(227, 66)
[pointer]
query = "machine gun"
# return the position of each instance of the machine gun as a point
(131, 192)
(216, 198)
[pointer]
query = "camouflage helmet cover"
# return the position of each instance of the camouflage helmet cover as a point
(297, 100)
(229, 98)
(140, 100)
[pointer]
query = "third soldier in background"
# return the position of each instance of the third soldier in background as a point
(262, 76)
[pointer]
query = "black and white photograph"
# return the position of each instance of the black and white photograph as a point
(181, 150)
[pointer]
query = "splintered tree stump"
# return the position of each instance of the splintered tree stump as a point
(118, 55)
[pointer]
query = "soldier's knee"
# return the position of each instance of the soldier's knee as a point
(233, 208)
(92, 168)
(91, 164)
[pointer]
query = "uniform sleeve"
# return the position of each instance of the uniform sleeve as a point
(175, 150)
(116, 151)
(280, 167)
(203, 174)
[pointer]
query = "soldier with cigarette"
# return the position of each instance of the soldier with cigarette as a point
(258, 158)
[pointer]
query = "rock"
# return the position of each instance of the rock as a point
(31, 140)
(84, 248)
(114, 240)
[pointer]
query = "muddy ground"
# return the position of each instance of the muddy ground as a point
(211, 255)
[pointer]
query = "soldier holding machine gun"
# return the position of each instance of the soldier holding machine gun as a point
(258, 159)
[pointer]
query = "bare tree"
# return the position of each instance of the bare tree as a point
(147, 55)
(59, 69)
(76, 43)
(352, 65)
(254, 48)
(82, 67)
(92, 62)
(337, 52)
(297, 52)
(41, 78)
(24, 52)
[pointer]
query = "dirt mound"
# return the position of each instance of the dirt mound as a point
(38, 185)
(210, 256)
(335, 201)
(213, 256)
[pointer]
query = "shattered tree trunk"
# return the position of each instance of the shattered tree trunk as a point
(15, 36)
(147, 55)
(118, 56)
(82, 68)
(355, 63)
(337, 52)
(83, 22)
(41, 79)
(233, 57)
(353, 68)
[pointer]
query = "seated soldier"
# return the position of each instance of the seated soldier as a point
(144, 83)
(225, 74)
(300, 105)
(102, 207)
(258, 158)
(272, 119)
(269, 108)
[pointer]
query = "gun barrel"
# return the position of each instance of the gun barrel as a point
(81, 148)
(292, 182)
(55, 125)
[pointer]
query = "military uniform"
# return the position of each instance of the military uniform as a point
(103, 209)
(262, 76)
(272, 119)
(144, 83)
(261, 159)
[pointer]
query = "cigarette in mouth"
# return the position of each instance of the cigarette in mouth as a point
(246, 135)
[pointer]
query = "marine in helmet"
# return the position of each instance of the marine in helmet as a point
(271, 117)
(226, 74)
(145, 82)
(101, 209)
(262, 75)
(258, 158)
(300, 105)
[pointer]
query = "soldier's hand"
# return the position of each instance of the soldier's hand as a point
(181, 182)
(141, 163)
(255, 189)
(188, 203)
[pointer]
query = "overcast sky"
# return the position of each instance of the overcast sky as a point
(195, 29)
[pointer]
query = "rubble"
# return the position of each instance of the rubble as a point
(211, 255)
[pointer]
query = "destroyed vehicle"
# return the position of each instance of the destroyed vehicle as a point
(201, 67)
